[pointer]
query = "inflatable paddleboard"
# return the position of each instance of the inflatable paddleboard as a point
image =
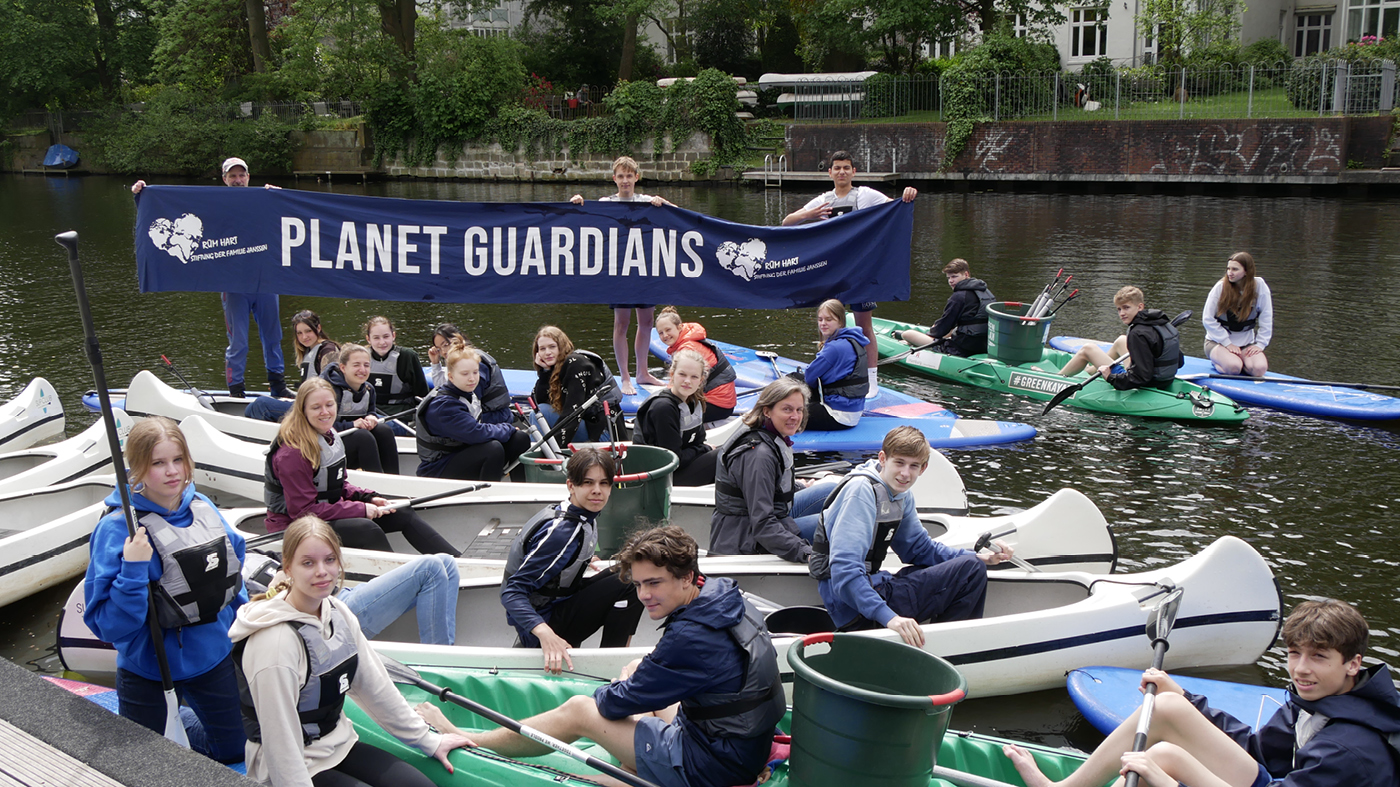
(1108, 695)
(1321, 401)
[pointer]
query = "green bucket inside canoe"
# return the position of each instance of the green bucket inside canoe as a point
(641, 495)
(1012, 338)
(868, 712)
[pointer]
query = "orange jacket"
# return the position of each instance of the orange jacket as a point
(691, 334)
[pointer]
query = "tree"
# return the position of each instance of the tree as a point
(1187, 27)
(204, 46)
(46, 54)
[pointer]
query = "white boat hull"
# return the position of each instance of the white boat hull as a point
(77, 457)
(44, 534)
(33, 416)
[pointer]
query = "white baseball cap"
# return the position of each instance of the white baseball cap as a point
(230, 163)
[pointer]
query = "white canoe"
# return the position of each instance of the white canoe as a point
(1037, 626)
(44, 534)
(74, 458)
(31, 417)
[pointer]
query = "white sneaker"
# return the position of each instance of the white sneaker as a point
(874, 385)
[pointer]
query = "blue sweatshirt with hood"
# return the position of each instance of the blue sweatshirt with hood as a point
(1350, 750)
(115, 596)
(696, 655)
(836, 361)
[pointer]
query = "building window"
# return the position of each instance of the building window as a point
(1088, 32)
(941, 49)
(1149, 46)
(1313, 34)
(1373, 18)
(1019, 28)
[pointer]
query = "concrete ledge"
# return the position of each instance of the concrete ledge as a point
(127, 752)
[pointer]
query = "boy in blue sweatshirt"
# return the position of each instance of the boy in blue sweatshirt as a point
(1339, 728)
(872, 511)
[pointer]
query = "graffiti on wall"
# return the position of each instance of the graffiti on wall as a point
(1258, 150)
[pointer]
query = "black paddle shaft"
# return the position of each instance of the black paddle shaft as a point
(69, 241)
(1159, 655)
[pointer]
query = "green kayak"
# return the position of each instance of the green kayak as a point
(1183, 401)
(523, 694)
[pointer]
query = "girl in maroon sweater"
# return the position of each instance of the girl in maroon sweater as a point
(305, 474)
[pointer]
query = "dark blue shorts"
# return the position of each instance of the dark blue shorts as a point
(657, 746)
(1263, 779)
(867, 306)
(631, 305)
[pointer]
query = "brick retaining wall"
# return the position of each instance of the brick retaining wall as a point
(492, 162)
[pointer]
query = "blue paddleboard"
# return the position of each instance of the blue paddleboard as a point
(1108, 695)
(1322, 401)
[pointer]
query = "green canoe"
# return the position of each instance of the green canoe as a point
(522, 694)
(1183, 401)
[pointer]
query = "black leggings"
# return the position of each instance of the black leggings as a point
(366, 766)
(484, 461)
(699, 472)
(595, 607)
(372, 450)
(363, 533)
(819, 419)
(714, 412)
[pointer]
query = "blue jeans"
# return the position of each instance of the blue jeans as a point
(213, 696)
(807, 507)
(265, 408)
(427, 584)
(264, 308)
(580, 435)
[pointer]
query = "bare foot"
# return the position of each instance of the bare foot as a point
(648, 379)
(1025, 765)
(432, 714)
(627, 389)
(1091, 370)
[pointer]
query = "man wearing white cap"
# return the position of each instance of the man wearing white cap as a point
(239, 305)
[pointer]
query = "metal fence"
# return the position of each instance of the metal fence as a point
(1298, 89)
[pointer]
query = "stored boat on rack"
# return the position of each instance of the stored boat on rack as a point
(33, 416)
(74, 458)
(44, 534)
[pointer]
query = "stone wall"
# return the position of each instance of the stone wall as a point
(335, 151)
(1300, 150)
(25, 151)
(492, 162)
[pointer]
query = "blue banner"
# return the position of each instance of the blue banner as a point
(221, 239)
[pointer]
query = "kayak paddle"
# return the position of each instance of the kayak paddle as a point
(559, 426)
(984, 541)
(174, 728)
(903, 355)
(204, 398)
(772, 358)
(404, 674)
(1285, 381)
(397, 504)
(1159, 625)
(1066, 393)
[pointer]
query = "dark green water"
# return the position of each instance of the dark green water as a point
(1317, 498)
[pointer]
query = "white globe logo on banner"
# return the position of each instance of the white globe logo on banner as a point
(742, 259)
(177, 237)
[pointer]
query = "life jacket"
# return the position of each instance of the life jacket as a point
(692, 419)
(973, 321)
(729, 496)
(389, 388)
(888, 515)
(433, 447)
(258, 571)
(1166, 363)
(308, 359)
(569, 580)
(1234, 324)
(328, 478)
(854, 385)
(331, 663)
(497, 394)
(759, 705)
(601, 372)
(722, 373)
(349, 404)
(199, 567)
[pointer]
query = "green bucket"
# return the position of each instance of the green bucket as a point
(868, 712)
(641, 495)
(1012, 338)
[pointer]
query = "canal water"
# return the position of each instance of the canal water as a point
(1317, 498)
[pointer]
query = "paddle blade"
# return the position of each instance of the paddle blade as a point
(401, 673)
(1065, 393)
(1163, 617)
(174, 727)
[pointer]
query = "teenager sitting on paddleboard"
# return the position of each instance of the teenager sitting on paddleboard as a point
(674, 419)
(491, 389)
(567, 378)
(184, 546)
(1152, 344)
(1239, 319)
(760, 506)
(962, 329)
(837, 375)
(300, 653)
(305, 474)
(395, 372)
(720, 396)
(370, 446)
(453, 440)
(548, 598)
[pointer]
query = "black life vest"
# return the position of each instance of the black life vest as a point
(692, 418)
(853, 386)
(729, 496)
(497, 394)
(389, 387)
(433, 447)
(311, 356)
(329, 477)
(1169, 359)
(888, 515)
(570, 579)
(331, 663)
(1230, 322)
(200, 570)
(972, 321)
(754, 709)
(722, 373)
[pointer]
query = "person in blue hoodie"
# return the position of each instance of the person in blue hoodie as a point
(837, 375)
(187, 555)
(700, 709)
(873, 510)
(548, 598)
(1340, 726)
(453, 440)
